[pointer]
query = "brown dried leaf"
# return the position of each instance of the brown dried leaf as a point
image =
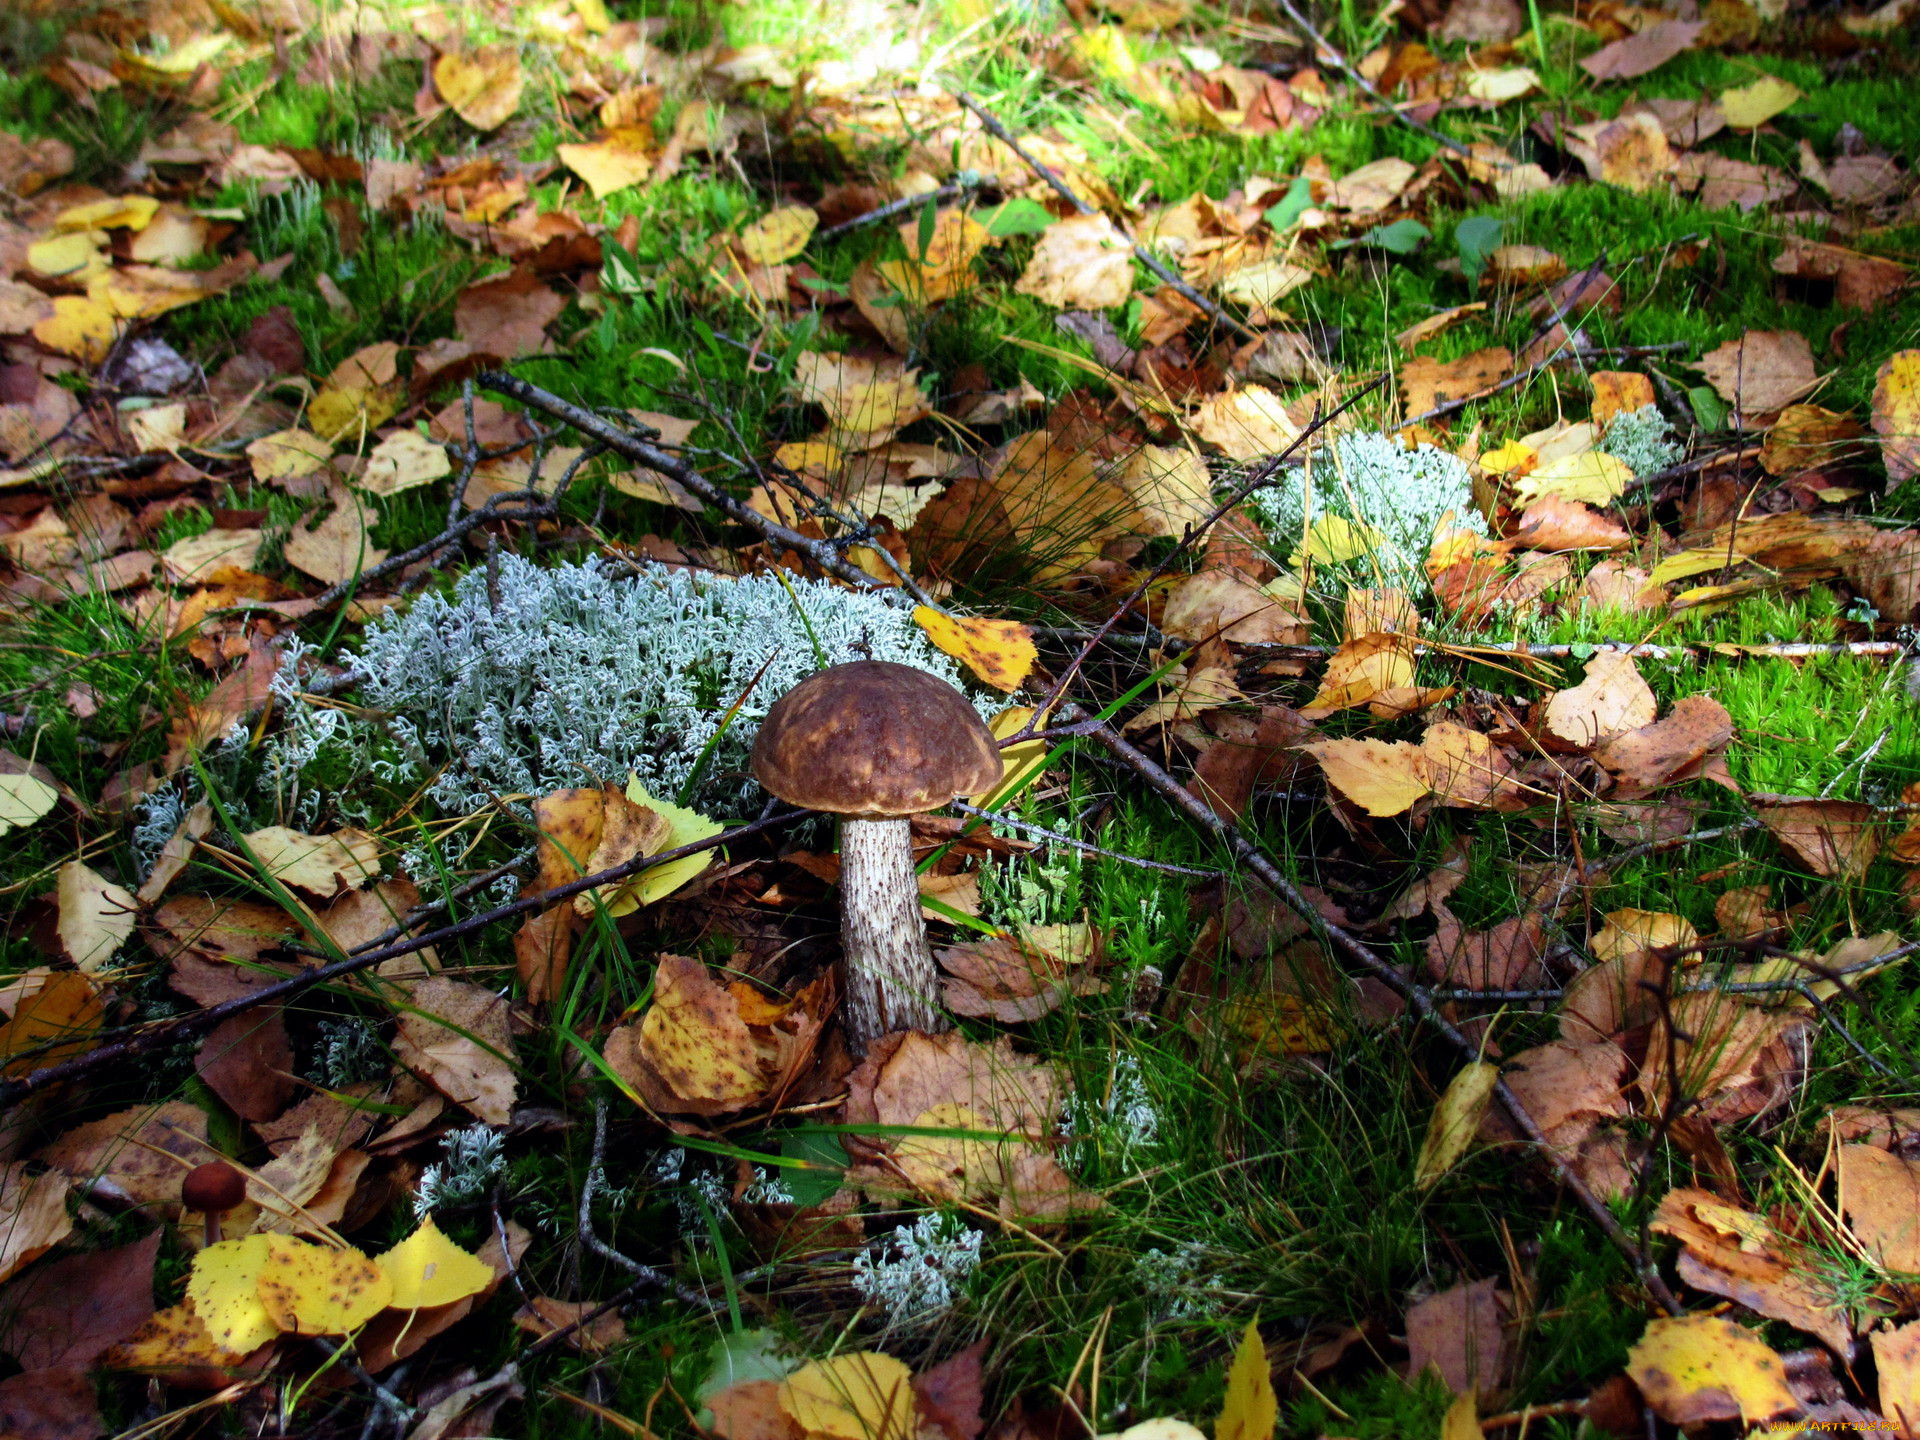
(1832, 838)
(1461, 1333)
(1761, 372)
(456, 1036)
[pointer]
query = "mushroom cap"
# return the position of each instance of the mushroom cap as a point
(873, 740)
(215, 1186)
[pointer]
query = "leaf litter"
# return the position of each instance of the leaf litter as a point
(223, 501)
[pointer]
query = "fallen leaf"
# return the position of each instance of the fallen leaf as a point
(1248, 423)
(69, 1311)
(316, 1290)
(196, 557)
(426, 1269)
(134, 1156)
(33, 1216)
(1644, 51)
(402, 461)
(1081, 263)
(1832, 838)
(81, 327)
(859, 1396)
(1738, 1254)
(224, 1290)
(1426, 383)
(1554, 522)
(866, 401)
(509, 314)
(693, 1039)
(543, 1316)
(1593, 477)
(1250, 1410)
(779, 235)
(1748, 107)
(1880, 1193)
(1896, 1360)
(1227, 605)
(483, 88)
(1000, 652)
(1762, 371)
(1896, 414)
(1361, 669)
(456, 1035)
(623, 157)
(1693, 1368)
(96, 916)
(1612, 700)
(945, 267)
(1382, 777)
(1461, 1334)
(247, 1060)
(55, 1021)
(1169, 487)
(321, 865)
(1456, 1120)
(341, 546)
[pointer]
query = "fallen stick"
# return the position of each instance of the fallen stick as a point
(1066, 192)
(624, 443)
(166, 1032)
(1421, 999)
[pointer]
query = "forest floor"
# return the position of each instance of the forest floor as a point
(1426, 500)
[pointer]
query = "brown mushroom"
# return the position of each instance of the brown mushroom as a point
(213, 1189)
(874, 743)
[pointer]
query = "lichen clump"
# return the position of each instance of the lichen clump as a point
(1642, 440)
(1399, 492)
(577, 675)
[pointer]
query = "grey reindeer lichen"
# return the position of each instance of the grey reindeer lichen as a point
(1372, 479)
(575, 674)
(1641, 439)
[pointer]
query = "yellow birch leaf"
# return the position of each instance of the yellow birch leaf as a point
(76, 255)
(1703, 1367)
(1456, 1119)
(861, 1396)
(1000, 652)
(1381, 777)
(224, 1291)
(1748, 107)
(1462, 1421)
(427, 1269)
(402, 461)
(123, 212)
(779, 235)
(483, 88)
(1594, 477)
(684, 828)
(313, 1290)
(1251, 1409)
(621, 157)
(1022, 763)
(168, 1342)
(24, 799)
(288, 454)
(80, 326)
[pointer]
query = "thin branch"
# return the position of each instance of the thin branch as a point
(1084, 846)
(630, 446)
(591, 1186)
(1066, 192)
(900, 207)
(167, 1032)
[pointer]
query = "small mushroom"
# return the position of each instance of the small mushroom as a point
(875, 743)
(213, 1189)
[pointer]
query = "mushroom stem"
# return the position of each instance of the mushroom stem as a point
(891, 981)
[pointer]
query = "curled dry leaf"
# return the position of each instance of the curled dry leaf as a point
(1361, 669)
(1689, 744)
(1733, 1060)
(1225, 605)
(1250, 423)
(1896, 414)
(1742, 1256)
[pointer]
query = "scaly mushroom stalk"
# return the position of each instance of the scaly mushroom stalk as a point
(891, 981)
